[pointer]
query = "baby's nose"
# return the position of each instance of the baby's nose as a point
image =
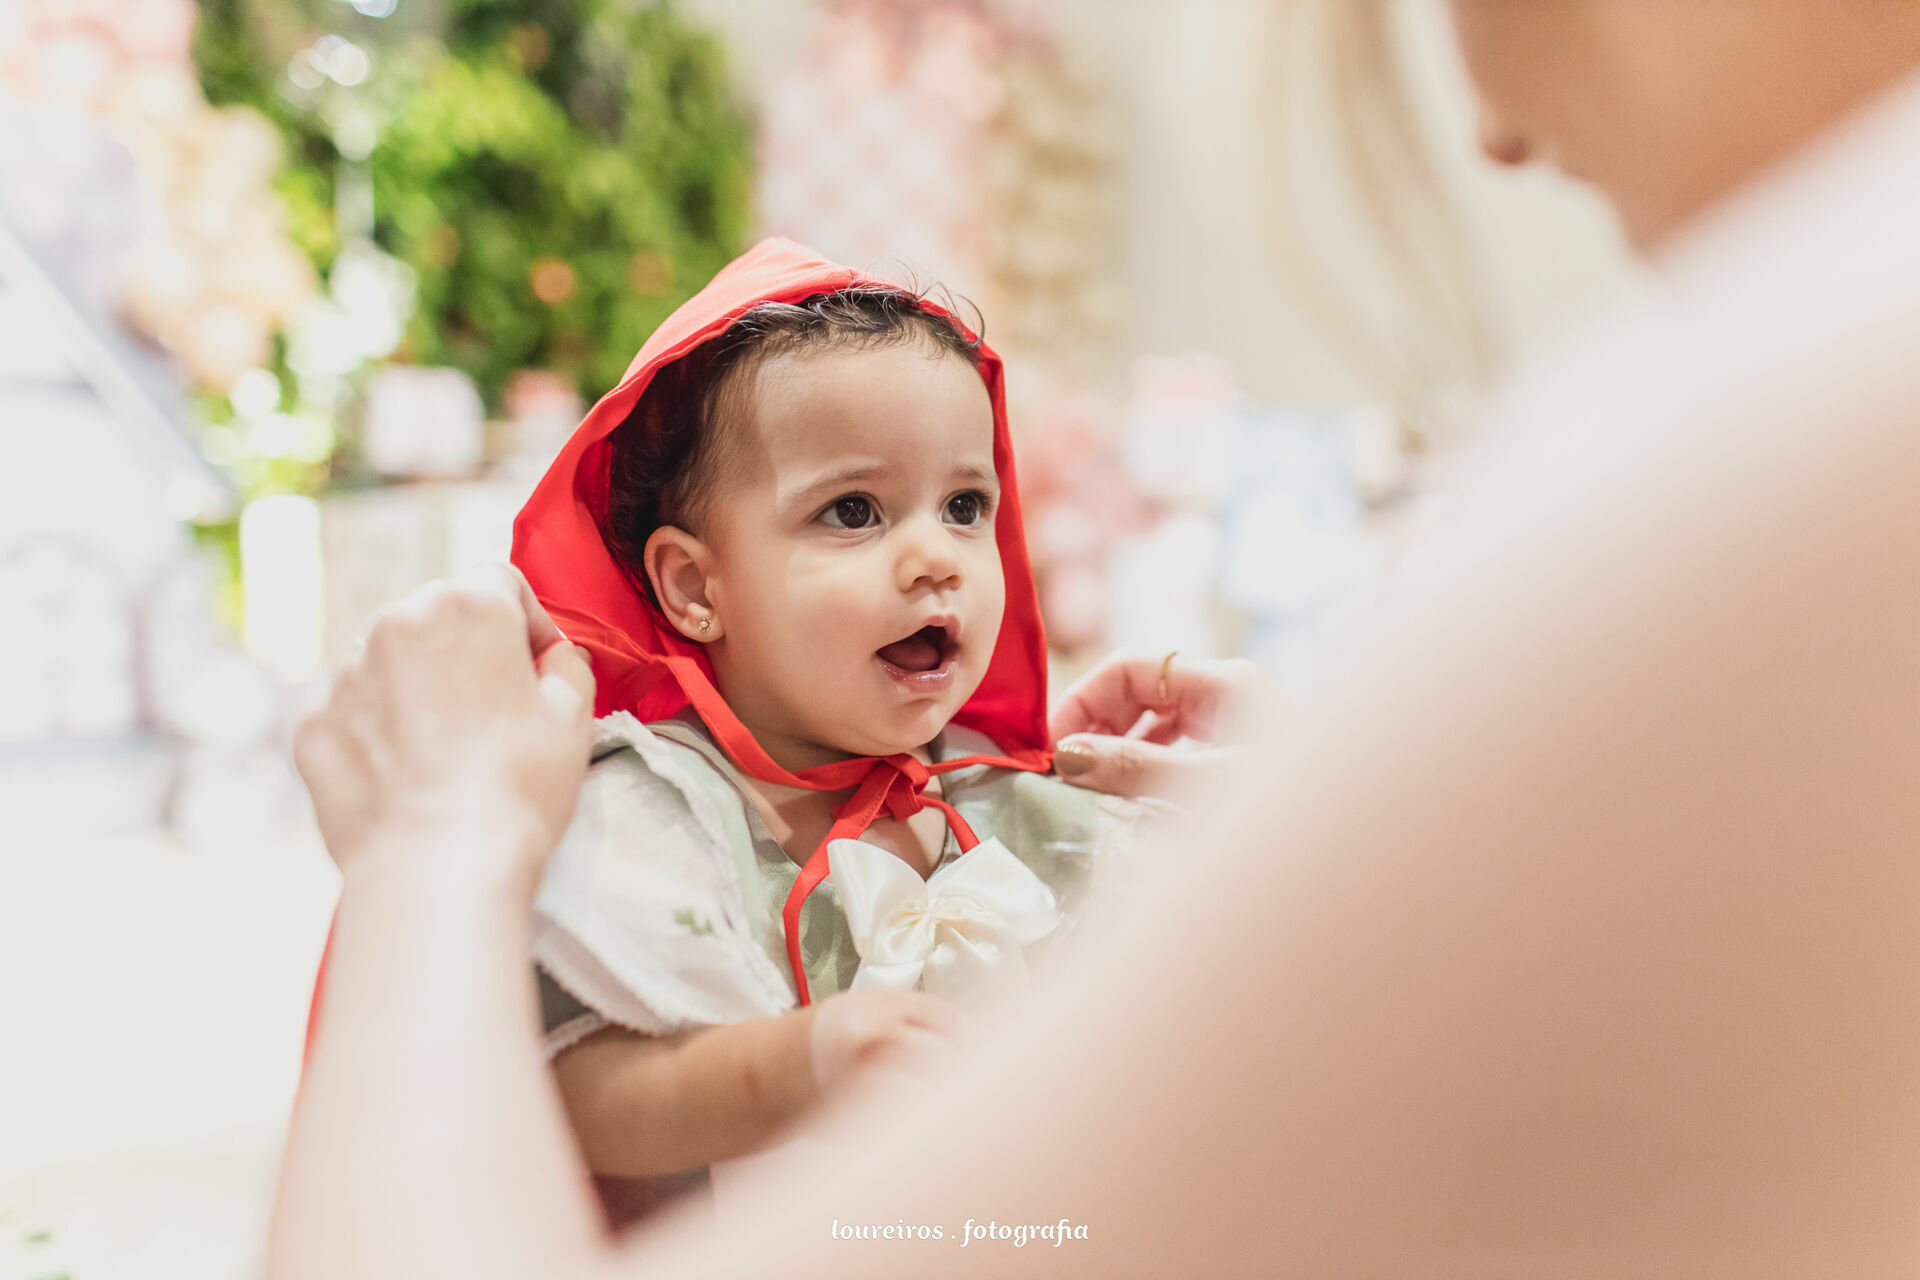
(928, 556)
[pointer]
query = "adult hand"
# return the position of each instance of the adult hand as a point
(466, 714)
(1117, 725)
(860, 1030)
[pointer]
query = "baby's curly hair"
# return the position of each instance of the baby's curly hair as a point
(684, 434)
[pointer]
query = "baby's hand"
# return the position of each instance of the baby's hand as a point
(866, 1028)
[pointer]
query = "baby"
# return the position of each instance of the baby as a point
(790, 542)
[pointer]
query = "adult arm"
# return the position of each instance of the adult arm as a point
(1581, 941)
(1576, 929)
(428, 1139)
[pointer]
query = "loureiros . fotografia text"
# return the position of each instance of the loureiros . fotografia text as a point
(1017, 1234)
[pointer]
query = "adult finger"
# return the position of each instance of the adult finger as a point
(566, 681)
(910, 1050)
(931, 1013)
(1158, 726)
(1111, 697)
(1130, 766)
(318, 754)
(542, 632)
(337, 782)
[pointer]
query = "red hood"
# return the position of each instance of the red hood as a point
(557, 543)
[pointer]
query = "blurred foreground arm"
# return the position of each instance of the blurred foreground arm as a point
(1576, 930)
(1585, 940)
(427, 1140)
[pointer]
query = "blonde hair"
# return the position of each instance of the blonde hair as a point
(1351, 146)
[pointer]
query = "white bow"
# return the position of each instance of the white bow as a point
(969, 922)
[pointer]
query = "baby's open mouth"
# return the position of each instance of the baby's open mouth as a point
(925, 650)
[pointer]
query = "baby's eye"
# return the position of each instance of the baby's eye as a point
(968, 508)
(849, 513)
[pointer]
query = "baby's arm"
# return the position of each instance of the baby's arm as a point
(644, 1105)
(647, 1105)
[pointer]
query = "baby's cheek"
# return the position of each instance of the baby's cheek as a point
(827, 604)
(991, 586)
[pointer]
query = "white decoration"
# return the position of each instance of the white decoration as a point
(424, 422)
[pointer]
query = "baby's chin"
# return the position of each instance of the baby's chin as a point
(901, 735)
(897, 729)
(892, 742)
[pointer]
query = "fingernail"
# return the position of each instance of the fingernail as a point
(1072, 759)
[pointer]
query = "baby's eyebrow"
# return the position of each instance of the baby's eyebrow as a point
(832, 479)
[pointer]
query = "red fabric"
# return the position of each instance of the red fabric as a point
(319, 983)
(642, 665)
(645, 666)
(556, 539)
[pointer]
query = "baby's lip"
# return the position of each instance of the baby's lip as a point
(949, 624)
(949, 640)
(916, 669)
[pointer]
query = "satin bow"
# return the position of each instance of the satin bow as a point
(968, 924)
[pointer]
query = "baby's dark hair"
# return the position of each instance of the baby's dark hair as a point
(682, 436)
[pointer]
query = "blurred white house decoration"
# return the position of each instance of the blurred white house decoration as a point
(106, 605)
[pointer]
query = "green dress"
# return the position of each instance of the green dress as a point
(661, 910)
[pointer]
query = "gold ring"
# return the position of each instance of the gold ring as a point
(1166, 665)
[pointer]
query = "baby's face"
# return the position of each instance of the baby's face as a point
(855, 569)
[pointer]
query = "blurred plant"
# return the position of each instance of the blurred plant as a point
(555, 176)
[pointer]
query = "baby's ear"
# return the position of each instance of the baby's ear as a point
(677, 563)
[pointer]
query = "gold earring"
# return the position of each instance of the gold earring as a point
(706, 625)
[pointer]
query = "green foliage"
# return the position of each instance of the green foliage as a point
(559, 174)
